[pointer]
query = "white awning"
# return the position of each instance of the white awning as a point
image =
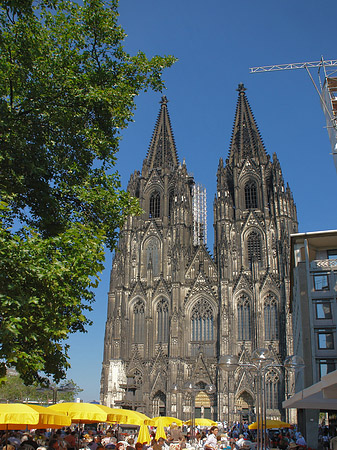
(322, 395)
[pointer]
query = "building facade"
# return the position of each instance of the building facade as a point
(174, 309)
(314, 310)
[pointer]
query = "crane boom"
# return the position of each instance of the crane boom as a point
(327, 93)
(304, 65)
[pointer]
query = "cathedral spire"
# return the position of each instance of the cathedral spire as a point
(162, 151)
(246, 139)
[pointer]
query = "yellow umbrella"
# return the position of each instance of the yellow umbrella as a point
(115, 415)
(144, 434)
(166, 421)
(270, 424)
(202, 422)
(83, 412)
(133, 417)
(160, 432)
(18, 416)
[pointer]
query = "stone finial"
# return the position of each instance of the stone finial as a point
(163, 100)
(241, 88)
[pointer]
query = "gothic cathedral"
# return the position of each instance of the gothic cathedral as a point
(174, 309)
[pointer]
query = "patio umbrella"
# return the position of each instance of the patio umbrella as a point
(133, 417)
(201, 422)
(18, 416)
(270, 424)
(166, 421)
(84, 412)
(144, 434)
(160, 432)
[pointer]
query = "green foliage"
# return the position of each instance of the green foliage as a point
(14, 390)
(67, 90)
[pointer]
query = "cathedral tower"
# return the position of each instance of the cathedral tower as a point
(173, 309)
(254, 215)
(161, 329)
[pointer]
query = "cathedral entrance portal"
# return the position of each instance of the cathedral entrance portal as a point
(245, 407)
(203, 406)
(159, 404)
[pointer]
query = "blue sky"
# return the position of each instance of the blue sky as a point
(216, 42)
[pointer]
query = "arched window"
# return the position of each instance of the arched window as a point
(202, 321)
(254, 247)
(152, 256)
(271, 383)
(139, 321)
(244, 323)
(162, 321)
(171, 203)
(154, 205)
(270, 318)
(251, 195)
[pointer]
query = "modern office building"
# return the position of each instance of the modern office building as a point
(314, 309)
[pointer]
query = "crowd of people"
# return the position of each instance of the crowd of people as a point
(237, 437)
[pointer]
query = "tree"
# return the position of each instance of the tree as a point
(14, 390)
(67, 91)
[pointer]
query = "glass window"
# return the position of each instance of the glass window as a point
(162, 321)
(270, 318)
(321, 282)
(325, 340)
(154, 205)
(323, 309)
(254, 247)
(251, 195)
(332, 254)
(244, 324)
(202, 321)
(326, 366)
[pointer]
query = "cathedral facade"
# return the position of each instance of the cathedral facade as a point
(174, 309)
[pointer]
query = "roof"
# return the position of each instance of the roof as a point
(322, 395)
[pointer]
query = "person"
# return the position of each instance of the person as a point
(333, 442)
(53, 444)
(211, 442)
(240, 441)
(175, 436)
(301, 441)
(70, 439)
(158, 445)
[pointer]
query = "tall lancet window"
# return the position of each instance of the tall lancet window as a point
(270, 318)
(162, 321)
(254, 247)
(244, 319)
(251, 195)
(202, 321)
(171, 204)
(271, 386)
(152, 256)
(139, 321)
(154, 205)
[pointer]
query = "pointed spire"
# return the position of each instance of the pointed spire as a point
(246, 139)
(162, 151)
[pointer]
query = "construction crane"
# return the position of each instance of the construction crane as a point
(327, 91)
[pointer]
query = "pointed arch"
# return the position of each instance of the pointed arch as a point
(138, 320)
(159, 404)
(251, 195)
(152, 247)
(202, 321)
(244, 318)
(154, 210)
(271, 331)
(272, 386)
(254, 247)
(171, 204)
(162, 318)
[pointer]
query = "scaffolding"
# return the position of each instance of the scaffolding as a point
(199, 215)
(327, 91)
